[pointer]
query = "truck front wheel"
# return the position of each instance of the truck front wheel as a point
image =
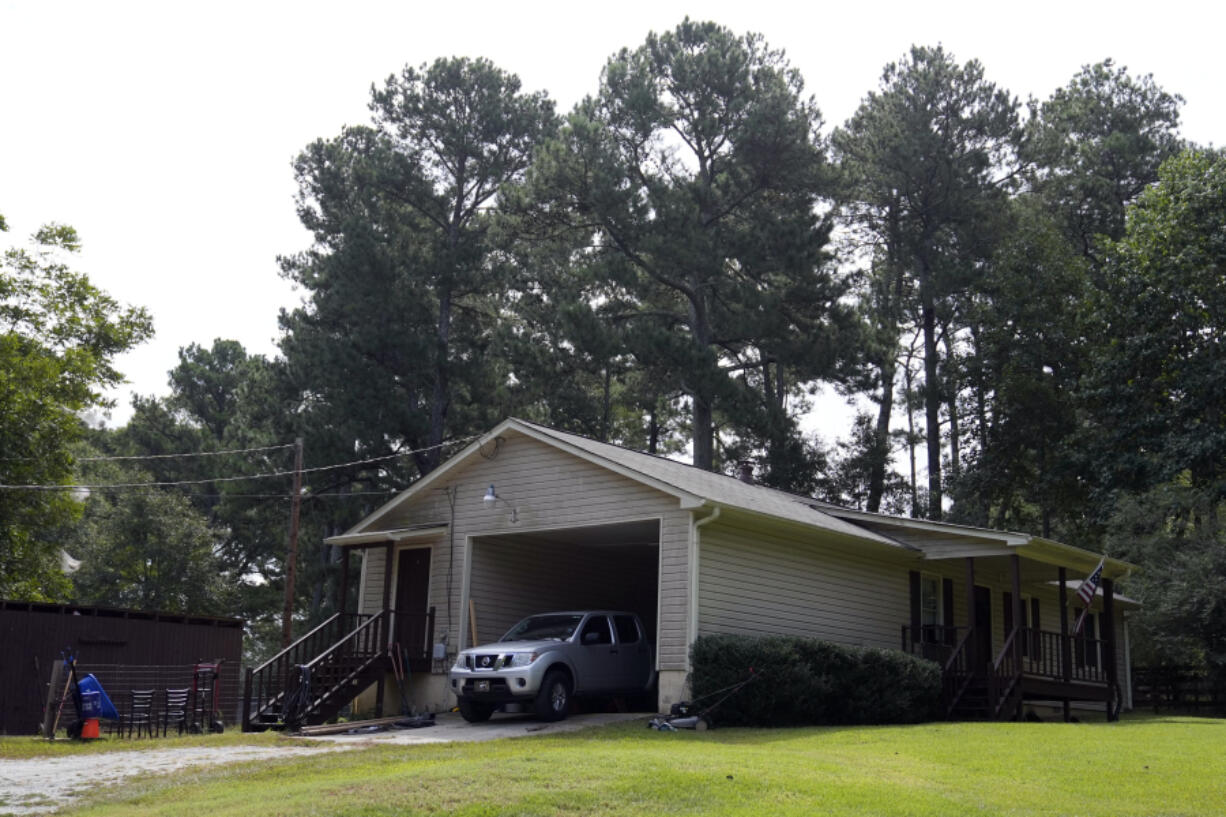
(553, 701)
(474, 711)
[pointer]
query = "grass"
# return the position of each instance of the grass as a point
(1140, 766)
(20, 748)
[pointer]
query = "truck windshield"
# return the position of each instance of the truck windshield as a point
(557, 627)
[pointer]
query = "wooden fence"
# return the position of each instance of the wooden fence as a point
(123, 647)
(1184, 689)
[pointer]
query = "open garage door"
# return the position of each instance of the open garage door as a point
(610, 567)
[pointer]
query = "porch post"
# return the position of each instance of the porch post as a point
(1109, 644)
(972, 642)
(915, 610)
(1066, 647)
(387, 629)
(1015, 573)
(342, 589)
(387, 591)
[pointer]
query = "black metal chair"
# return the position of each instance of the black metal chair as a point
(140, 712)
(174, 710)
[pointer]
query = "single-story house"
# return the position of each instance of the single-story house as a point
(529, 519)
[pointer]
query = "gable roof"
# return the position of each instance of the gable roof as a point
(709, 487)
(696, 488)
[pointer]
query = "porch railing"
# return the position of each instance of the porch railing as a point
(414, 633)
(334, 656)
(1005, 676)
(936, 642)
(266, 684)
(1044, 656)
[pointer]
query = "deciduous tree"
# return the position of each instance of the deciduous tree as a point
(59, 336)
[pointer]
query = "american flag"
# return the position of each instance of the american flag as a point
(1090, 586)
(1086, 593)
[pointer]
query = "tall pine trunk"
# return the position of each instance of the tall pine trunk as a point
(932, 390)
(881, 433)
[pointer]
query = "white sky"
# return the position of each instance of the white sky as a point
(164, 131)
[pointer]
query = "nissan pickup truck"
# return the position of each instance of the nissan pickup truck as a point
(546, 659)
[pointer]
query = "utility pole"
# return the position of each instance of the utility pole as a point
(291, 560)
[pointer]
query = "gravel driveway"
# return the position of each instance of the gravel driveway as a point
(42, 784)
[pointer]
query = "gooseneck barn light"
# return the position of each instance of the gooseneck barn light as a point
(491, 499)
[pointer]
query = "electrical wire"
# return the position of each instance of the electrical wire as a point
(163, 456)
(270, 475)
(186, 455)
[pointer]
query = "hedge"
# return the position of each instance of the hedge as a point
(804, 682)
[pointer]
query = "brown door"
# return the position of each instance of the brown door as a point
(412, 595)
(983, 627)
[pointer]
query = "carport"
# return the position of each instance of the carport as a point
(512, 575)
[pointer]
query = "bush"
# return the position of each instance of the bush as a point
(807, 682)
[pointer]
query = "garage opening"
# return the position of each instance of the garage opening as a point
(611, 567)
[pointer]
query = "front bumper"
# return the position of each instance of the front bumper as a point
(498, 685)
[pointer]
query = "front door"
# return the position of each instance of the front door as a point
(412, 596)
(983, 628)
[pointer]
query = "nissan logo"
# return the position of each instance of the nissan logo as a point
(485, 660)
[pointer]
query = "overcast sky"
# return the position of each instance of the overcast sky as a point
(164, 131)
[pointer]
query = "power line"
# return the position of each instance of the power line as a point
(305, 497)
(273, 474)
(186, 455)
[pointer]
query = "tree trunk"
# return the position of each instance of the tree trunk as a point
(909, 394)
(881, 433)
(932, 394)
(441, 397)
(606, 406)
(951, 395)
(704, 432)
(701, 394)
(653, 432)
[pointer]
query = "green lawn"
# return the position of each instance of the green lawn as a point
(1141, 766)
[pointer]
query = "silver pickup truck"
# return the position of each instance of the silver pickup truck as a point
(546, 659)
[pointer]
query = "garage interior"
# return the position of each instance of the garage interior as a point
(601, 567)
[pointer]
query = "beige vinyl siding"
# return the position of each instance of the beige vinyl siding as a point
(754, 583)
(372, 580)
(550, 490)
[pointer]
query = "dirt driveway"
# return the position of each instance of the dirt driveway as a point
(42, 784)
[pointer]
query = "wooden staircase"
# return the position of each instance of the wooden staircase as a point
(311, 680)
(974, 691)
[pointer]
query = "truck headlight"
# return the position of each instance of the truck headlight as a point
(522, 659)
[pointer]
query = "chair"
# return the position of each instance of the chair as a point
(140, 712)
(175, 709)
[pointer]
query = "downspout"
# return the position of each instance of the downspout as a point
(694, 551)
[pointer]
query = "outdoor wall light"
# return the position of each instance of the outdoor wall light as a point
(491, 499)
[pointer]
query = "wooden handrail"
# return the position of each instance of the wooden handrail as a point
(959, 649)
(1006, 650)
(353, 635)
(326, 623)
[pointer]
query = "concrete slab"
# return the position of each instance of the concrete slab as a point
(450, 727)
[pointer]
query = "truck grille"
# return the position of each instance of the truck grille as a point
(490, 661)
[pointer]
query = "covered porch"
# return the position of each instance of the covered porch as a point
(1001, 625)
(316, 675)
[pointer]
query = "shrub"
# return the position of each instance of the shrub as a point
(806, 682)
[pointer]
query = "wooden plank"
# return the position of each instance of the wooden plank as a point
(472, 621)
(338, 728)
